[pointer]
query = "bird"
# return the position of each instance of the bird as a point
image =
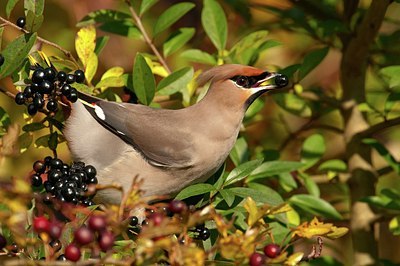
(168, 149)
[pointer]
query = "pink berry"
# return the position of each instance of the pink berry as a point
(97, 223)
(272, 250)
(256, 259)
(157, 218)
(72, 252)
(41, 224)
(177, 206)
(83, 236)
(106, 241)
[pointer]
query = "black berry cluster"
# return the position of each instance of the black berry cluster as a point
(202, 232)
(46, 86)
(64, 182)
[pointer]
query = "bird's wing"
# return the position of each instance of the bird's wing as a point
(157, 134)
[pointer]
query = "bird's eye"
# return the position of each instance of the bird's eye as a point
(242, 81)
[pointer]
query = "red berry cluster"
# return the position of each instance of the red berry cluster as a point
(68, 183)
(271, 251)
(52, 228)
(47, 85)
(95, 233)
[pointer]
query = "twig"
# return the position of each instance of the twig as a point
(379, 127)
(6, 92)
(316, 250)
(40, 39)
(147, 38)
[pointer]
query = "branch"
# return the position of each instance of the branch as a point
(379, 127)
(40, 39)
(147, 38)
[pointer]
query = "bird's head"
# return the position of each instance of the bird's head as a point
(241, 84)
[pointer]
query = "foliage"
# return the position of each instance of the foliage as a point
(259, 196)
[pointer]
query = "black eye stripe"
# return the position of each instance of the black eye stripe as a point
(249, 81)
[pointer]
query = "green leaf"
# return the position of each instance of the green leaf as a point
(195, 190)
(290, 70)
(272, 168)
(384, 153)
(100, 43)
(228, 196)
(287, 182)
(36, 6)
(254, 109)
(214, 23)
(293, 104)
(392, 75)
(315, 206)
(199, 56)
(122, 27)
(242, 171)
(171, 15)
(53, 140)
(310, 184)
(16, 52)
(146, 5)
(102, 16)
(333, 165)
(1, 35)
(25, 140)
(312, 60)
(312, 151)
(391, 100)
(259, 193)
(4, 118)
(143, 80)
(111, 82)
(10, 6)
(33, 127)
(175, 82)
(240, 152)
(177, 40)
(33, 21)
(42, 141)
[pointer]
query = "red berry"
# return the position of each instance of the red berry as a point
(177, 206)
(157, 218)
(72, 252)
(41, 224)
(106, 240)
(97, 223)
(55, 230)
(83, 236)
(256, 259)
(272, 250)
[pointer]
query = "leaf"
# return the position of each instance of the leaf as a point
(392, 99)
(195, 190)
(293, 104)
(146, 5)
(177, 40)
(42, 141)
(101, 43)
(287, 182)
(310, 184)
(85, 43)
(333, 165)
(10, 6)
(33, 127)
(384, 153)
(4, 118)
(175, 82)
(171, 15)
(261, 194)
(16, 52)
(315, 206)
(392, 75)
(25, 140)
(312, 60)
(91, 67)
(122, 27)
(240, 152)
(113, 72)
(242, 171)
(110, 82)
(143, 80)
(36, 6)
(312, 151)
(199, 56)
(272, 168)
(228, 196)
(53, 140)
(254, 109)
(33, 21)
(102, 16)
(294, 259)
(290, 70)
(214, 23)
(317, 228)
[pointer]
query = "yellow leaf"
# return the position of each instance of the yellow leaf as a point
(294, 259)
(337, 232)
(91, 67)
(298, 88)
(113, 72)
(316, 228)
(85, 43)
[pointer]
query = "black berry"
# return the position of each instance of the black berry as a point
(19, 98)
(61, 257)
(79, 76)
(281, 80)
(21, 21)
(56, 163)
(38, 76)
(70, 78)
(68, 193)
(32, 109)
(66, 89)
(54, 175)
(36, 180)
(90, 171)
(46, 86)
(39, 167)
(49, 187)
(134, 221)
(204, 234)
(52, 106)
(49, 74)
(73, 96)
(177, 206)
(28, 91)
(38, 101)
(55, 244)
(62, 76)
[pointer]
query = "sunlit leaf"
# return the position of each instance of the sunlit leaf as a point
(101, 43)
(33, 21)
(287, 182)
(293, 104)
(312, 151)
(294, 259)
(317, 228)
(261, 194)
(195, 190)
(10, 6)
(392, 75)
(16, 52)
(85, 43)
(143, 80)
(171, 15)
(146, 5)
(392, 99)
(384, 153)
(175, 82)
(310, 184)
(36, 6)
(228, 196)
(312, 60)
(214, 23)
(199, 56)
(177, 40)
(240, 153)
(242, 171)
(315, 206)
(91, 67)
(272, 168)
(333, 165)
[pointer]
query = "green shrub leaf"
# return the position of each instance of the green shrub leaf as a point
(315, 206)
(312, 60)
(177, 40)
(171, 15)
(195, 190)
(214, 23)
(143, 80)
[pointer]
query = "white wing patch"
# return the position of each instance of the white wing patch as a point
(99, 112)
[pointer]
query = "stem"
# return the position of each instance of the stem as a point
(42, 40)
(147, 38)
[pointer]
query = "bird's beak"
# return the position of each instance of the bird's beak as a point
(269, 81)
